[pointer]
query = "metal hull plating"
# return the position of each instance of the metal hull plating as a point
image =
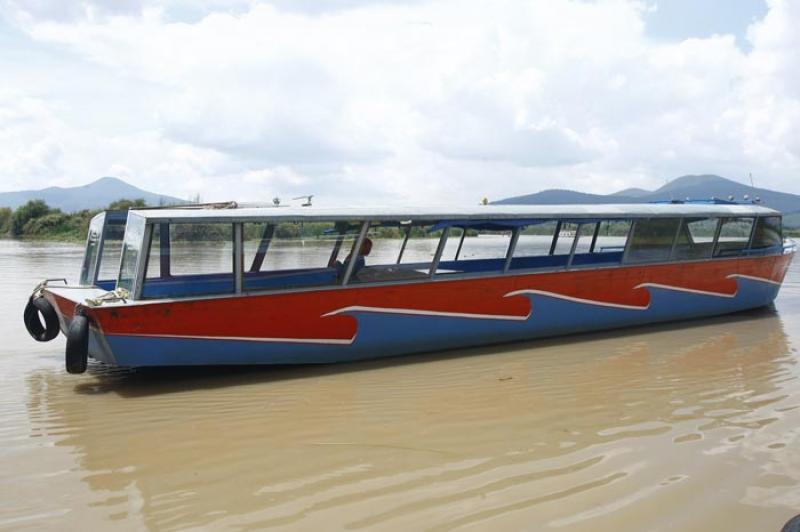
(352, 323)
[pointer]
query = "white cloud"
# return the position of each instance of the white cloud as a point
(397, 102)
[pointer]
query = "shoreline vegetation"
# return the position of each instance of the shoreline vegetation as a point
(38, 221)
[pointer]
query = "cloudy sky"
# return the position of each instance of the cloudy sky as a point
(382, 101)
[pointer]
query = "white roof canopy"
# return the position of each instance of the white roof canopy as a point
(487, 212)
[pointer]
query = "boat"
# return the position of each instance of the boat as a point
(300, 285)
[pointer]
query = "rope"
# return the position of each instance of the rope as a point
(118, 294)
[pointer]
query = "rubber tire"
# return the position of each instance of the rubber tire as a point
(36, 306)
(793, 525)
(77, 352)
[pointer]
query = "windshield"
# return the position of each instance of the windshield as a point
(131, 250)
(92, 246)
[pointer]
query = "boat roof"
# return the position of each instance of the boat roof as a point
(481, 212)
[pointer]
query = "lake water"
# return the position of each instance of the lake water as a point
(692, 426)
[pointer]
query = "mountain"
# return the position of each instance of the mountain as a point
(632, 192)
(95, 195)
(689, 186)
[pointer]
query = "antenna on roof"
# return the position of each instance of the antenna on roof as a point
(307, 198)
(756, 199)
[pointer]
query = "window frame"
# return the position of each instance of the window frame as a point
(740, 251)
(756, 225)
(626, 257)
(165, 257)
(238, 265)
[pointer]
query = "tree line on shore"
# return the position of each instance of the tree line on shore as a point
(36, 219)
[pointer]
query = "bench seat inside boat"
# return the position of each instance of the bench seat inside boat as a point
(222, 283)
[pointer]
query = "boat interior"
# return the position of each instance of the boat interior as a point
(114, 256)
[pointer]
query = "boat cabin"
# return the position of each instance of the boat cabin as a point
(176, 253)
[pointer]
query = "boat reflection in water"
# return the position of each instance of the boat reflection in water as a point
(601, 431)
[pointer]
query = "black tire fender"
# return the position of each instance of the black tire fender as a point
(39, 306)
(77, 351)
(793, 525)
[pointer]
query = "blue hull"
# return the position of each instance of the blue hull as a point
(389, 334)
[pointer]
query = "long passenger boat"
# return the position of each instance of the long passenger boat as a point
(289, 285)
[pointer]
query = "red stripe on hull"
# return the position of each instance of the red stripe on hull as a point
(302, 315)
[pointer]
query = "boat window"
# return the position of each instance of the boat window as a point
(695, 239)
(600, 243)
(734, 236)
(767, 233)
(454, 247)
(652, 239)
(198, 260)
(295, 254)
(611, 236)
(131, 249)
(585, 234)
(405, 254)
(480, 250)
(566, 234)
(485, 245)
(92, 247)
(158, 266)
(198, 248)
(112, 249)
(534, 241)
(385, 242)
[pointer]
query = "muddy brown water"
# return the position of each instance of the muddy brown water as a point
(690, 426)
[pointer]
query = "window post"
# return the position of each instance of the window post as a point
(403, 246)
(461, 242)
(263, 247)
(555, 238)
(717, 231)
(594, 237)
(681, 221)
(439, 251)
(100, 245)
(141, 262)
(628, 241)
(752, 233)
(512, 246)
(574, 246)
(238, 257)
(355, 252)
(164, 249)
